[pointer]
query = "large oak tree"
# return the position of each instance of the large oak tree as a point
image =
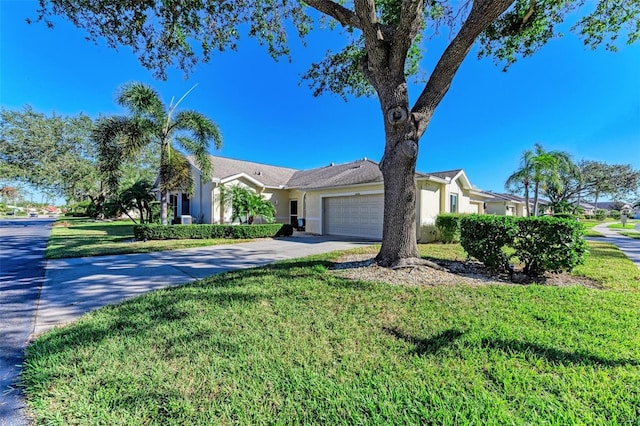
(383, 47)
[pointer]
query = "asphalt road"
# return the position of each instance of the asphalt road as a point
(22, 268)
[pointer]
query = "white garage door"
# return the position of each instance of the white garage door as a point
(358, 216)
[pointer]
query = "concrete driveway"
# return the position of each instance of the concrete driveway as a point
(629, 246)
(73, 287)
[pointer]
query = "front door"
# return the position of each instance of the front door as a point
(293, 212)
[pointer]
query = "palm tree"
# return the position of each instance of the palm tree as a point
(248, 204)
(540, 168)
(139, 195)
(149, 121)
(522, 178)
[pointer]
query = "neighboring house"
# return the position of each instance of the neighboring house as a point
(613, 205)
(589, 209)
(512, 205)
(345, 199)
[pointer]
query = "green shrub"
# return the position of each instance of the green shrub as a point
(485, 237)
(181, 232)
(549, 244)
(448, 225)
(614, 214)
(601, 214)
(540, 243)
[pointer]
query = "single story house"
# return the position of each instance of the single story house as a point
(337, 199)
(589, 209)
(512, 205)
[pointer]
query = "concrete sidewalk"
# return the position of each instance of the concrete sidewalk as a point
(629, 246)
(73, 287)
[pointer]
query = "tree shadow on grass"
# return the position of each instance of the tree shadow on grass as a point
(429, 346)
(437, 342)
(554, 355)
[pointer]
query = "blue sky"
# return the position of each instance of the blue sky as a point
(566, 97)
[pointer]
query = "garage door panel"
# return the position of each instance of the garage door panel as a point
(358, 216)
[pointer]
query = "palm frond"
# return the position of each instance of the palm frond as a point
(175, 173)
(142, 100)
(203, 132)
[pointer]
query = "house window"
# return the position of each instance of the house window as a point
(293, 212)
(185, 205)
(453, 203)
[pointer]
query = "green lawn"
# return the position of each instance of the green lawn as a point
(630, 225)
(80, 237)
(293, 343)
(590, 223)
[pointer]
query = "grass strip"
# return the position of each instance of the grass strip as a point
(79, 237)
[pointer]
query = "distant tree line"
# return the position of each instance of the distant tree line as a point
(115, 164)
(566, 184)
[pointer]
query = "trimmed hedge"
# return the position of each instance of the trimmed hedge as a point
(448, 225)
(485, 237)
(549, 244)
(182, 232)
(541, 243)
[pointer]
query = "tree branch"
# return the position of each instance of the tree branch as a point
(338, 12)
(483, 13)
(366, 12)
(408, 27)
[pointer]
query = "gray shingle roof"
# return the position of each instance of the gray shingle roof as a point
(353, 173)
(356, 172)
(503, 196)
(272, 176)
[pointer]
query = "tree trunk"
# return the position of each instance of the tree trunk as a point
(399, 244)
(535, 198)
(526, 198)
(141, 210)
(398, 166)
(163, 207)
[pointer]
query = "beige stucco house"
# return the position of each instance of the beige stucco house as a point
(337, 199)
(512, 205)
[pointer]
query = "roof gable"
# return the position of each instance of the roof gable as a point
(262, 174)
(353, 173)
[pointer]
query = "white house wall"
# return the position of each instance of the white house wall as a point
(427, 209)
(498, 208)
(200, 202)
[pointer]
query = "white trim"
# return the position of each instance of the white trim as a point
(242, 175)
(432, 179)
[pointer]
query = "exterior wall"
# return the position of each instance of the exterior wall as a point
(428, 206)
(312, 209)
(200, 202)
(476, 206)
(499, 208)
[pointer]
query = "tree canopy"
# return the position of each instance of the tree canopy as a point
(52, 153)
